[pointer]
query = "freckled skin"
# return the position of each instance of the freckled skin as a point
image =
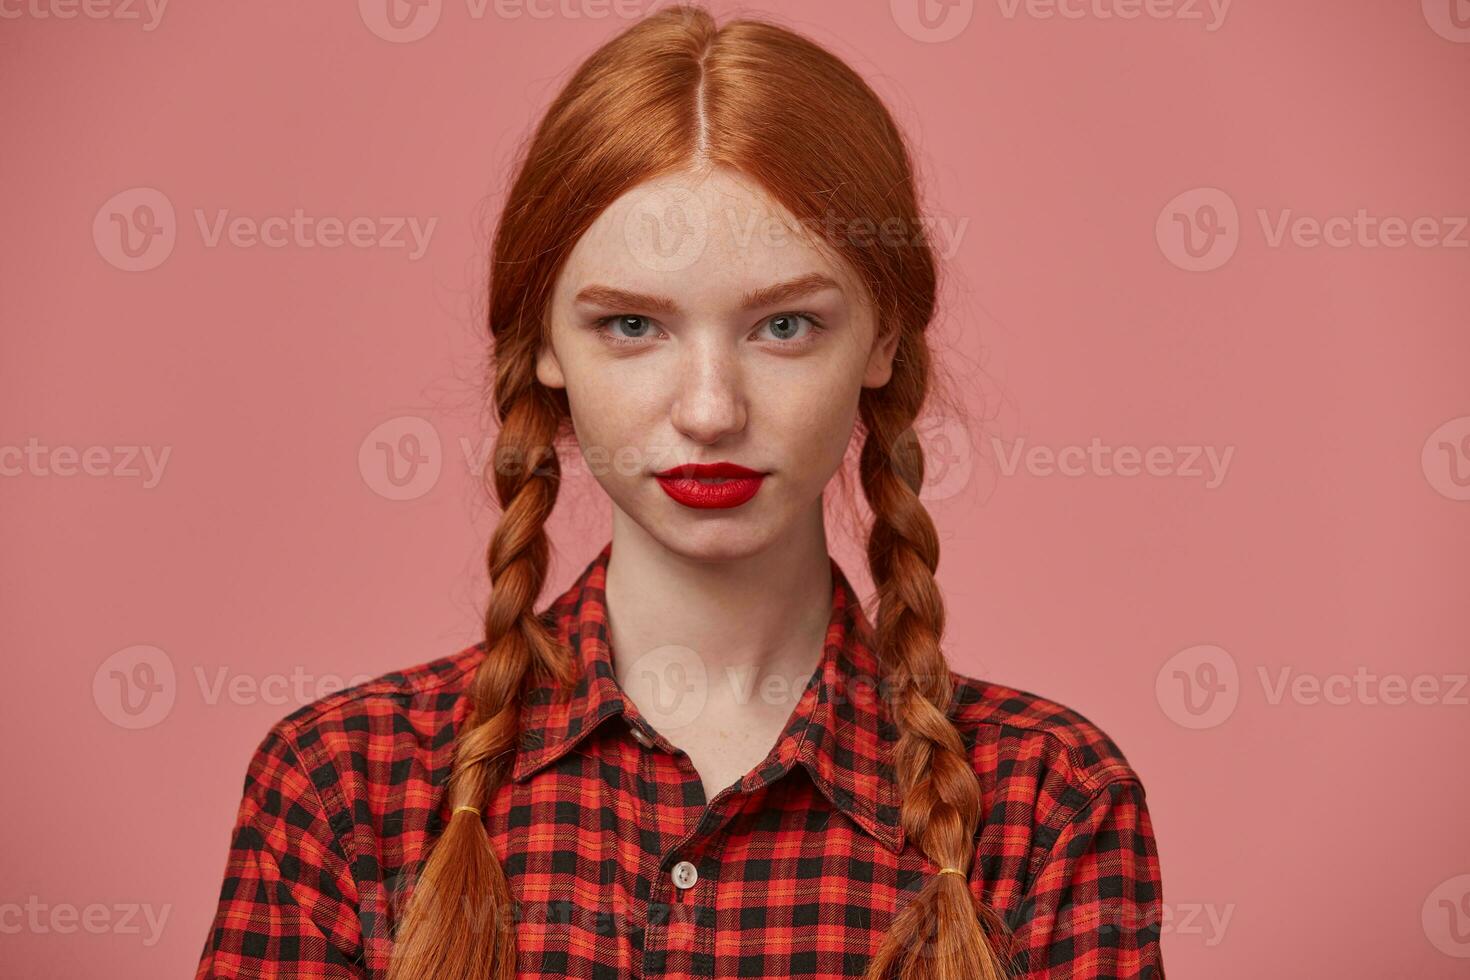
(714, 379)
(707, 385)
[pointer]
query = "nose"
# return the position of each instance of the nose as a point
(709, 397)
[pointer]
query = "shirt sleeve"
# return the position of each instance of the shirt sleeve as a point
(286, 907)
(1094, 911)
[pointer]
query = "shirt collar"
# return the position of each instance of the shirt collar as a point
(840, 730)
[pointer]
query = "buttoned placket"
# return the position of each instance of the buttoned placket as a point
(678, 887)
(679, 937)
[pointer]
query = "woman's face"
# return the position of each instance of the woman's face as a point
(693, 324)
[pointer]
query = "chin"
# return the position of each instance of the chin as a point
(712, 543)
(710, 536)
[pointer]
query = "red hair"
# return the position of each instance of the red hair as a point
(671, 93)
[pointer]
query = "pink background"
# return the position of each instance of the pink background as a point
(1297, 837)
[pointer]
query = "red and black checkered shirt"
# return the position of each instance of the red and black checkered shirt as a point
(619, 865)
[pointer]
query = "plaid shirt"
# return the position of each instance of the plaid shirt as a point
(619, 865)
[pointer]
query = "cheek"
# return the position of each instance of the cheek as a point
(612, 422)
(815, 422)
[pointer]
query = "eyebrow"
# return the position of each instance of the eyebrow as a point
(780, 292)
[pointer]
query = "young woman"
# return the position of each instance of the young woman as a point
(704, 758)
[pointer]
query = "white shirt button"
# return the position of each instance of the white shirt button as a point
(685, 874)
(642, 737)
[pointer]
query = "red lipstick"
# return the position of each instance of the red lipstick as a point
(707, 485)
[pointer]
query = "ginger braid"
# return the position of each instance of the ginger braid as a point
(939, 934)
(457, 922)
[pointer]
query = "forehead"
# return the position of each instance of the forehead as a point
(706, 237)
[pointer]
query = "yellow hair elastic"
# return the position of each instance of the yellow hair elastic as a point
(473, 809)
(951, 871)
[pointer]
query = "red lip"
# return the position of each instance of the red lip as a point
(738, 484)
(708, 470)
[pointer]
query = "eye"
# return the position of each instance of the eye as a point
(639, 328)
(787, 328)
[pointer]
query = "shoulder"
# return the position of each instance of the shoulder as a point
(1046, 751)
(373, 737)
(423, 696)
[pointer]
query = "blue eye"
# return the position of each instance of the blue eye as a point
(630, 329)
(641, 327)
(786, 325)
(638, 324)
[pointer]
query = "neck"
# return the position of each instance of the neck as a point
(695, 636)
